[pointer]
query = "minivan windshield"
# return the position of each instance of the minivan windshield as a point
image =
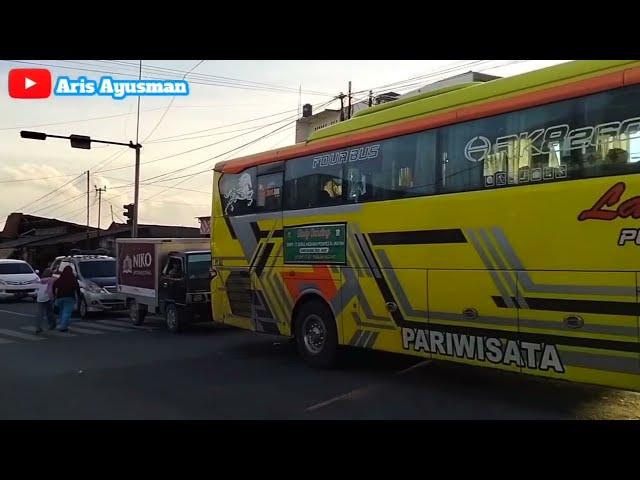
(98, 268)
(15, 268)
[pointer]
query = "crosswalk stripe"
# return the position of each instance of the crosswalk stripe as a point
(20, 335)
(121, 323)
(17, 313)
(4, 341)
(49, 333)
(98, 326)
(84, 330)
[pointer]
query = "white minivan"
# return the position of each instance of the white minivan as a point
(17, 280)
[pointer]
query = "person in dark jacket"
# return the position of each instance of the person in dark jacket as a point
(66, 289)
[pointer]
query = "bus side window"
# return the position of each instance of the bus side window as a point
(310, 182)
(269, 196)
(403, 167)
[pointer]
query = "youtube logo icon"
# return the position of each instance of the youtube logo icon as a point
(29, 83)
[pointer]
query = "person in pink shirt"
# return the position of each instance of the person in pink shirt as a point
(45, 301)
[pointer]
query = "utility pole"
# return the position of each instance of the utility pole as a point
(99, 192)
(349, 110)
(84, 142)
(370, 97)
(111, 213)
(88, 226)
(134, 229)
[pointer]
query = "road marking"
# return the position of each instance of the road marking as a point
(124, 323)
(353, 394)
(18, 313)
(47, 333)
(98, 326)
(84, 330)
(20, 335)
(4, 341)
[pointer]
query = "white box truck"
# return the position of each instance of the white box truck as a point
(166, 276)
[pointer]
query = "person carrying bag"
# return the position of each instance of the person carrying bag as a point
(66, 290)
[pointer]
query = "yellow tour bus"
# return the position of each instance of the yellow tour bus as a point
(493, 224)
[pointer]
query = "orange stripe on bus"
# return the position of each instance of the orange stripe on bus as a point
(561, 92)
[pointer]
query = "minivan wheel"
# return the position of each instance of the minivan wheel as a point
(84, 309)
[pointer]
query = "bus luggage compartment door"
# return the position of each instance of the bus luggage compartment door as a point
(467, 321)
(585, 323)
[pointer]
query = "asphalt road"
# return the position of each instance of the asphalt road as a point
(109, 369)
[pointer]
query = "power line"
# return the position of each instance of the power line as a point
(49, 193)
(57, 204)
(104, 117)
(168, 106)
(218, 78)
(142, 183)
(38, 178)
(220, 155)
(197, 148)
(320, 105)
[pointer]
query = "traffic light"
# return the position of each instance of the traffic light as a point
(128, 212)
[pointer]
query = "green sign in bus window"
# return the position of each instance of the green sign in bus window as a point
(316, 244)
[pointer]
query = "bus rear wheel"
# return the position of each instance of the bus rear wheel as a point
(316, 334)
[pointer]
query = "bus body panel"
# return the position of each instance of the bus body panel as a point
(539, 278)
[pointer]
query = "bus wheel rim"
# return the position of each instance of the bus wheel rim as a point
(314, 333)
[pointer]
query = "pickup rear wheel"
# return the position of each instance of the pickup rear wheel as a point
(172, 317)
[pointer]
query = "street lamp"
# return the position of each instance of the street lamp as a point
(84, 142)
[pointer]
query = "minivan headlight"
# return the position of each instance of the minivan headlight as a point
(92, 287)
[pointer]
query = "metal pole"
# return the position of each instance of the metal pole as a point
(134, 230)
(99, 191)
(88, 226)
(349, 111)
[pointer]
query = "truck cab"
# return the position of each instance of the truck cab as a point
(183, 291)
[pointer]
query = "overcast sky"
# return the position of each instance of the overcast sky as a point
(168, 128)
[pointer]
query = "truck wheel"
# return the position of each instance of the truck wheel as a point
(172, 317)
(136, 313)
(316, 334)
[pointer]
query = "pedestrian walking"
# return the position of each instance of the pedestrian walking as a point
(44, 299)
(67, 292)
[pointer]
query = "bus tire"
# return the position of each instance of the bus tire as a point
(316, 334)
